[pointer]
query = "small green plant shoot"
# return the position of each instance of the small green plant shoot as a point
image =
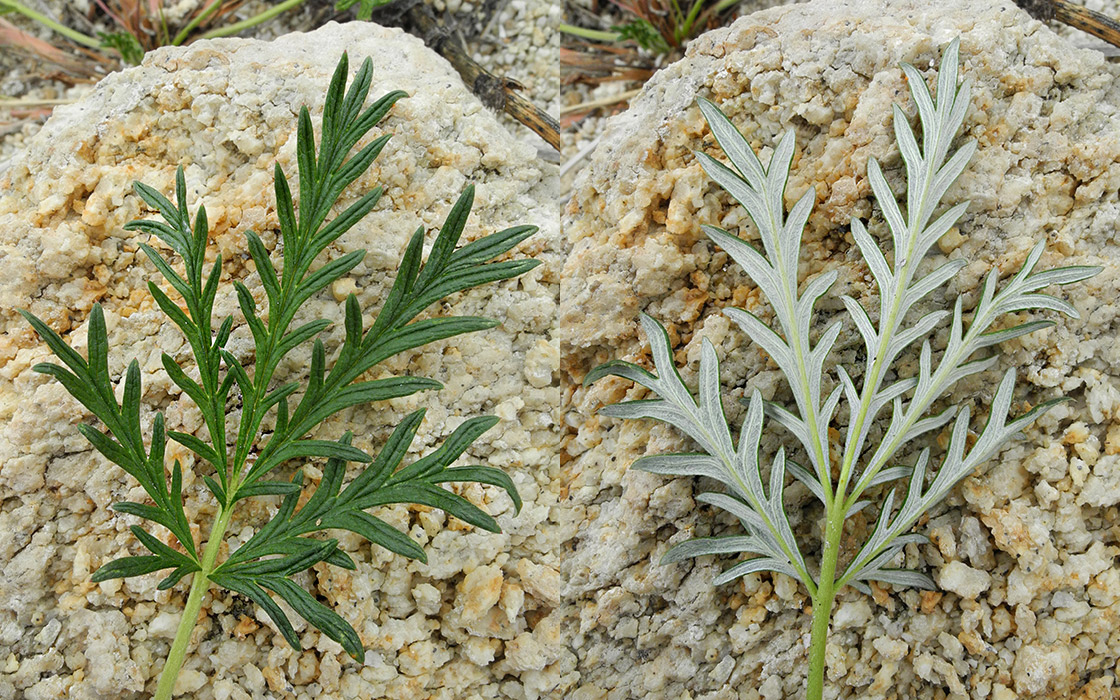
(844, 482)
(659, 26)
(141, 26)
(241, 458)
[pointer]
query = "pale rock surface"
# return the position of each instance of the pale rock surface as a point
(1039, 519)
(962, 579)
(226, 110)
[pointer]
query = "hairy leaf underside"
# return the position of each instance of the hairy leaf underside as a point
(900, 406)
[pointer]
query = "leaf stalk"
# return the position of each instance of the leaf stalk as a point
(200, 583)
(823, 600)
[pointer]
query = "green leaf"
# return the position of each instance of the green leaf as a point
(171, 215)
(179, 525)
(158, 446)
(317, 614)
(448, 237)
(332, 105)
(305, 557)
(422, 333)
(454, 281)
(189, 386)
(642, 33)
(285, 211)
(304, 448)
(376, 531)
(174, 278)
(58, 346)
(98, 347)
(158, 229)
(341, 559)
(77, 388)
(109, 448)
(448, 452)
(361, 393)
(490, 247)
(244, 383)
(355, 98)
(222, 335)
(316, 375)
(365, 9)
(481, 475)
(172, 311)
(267, 488)
(373, 114)
(387, 460)
(305, 161)
(322, 448)
(246, 587)
(159, 548)
(195, 445)
(278, 395)
(215, 488)
(300, 335)
(433, 496)
(327, 274)
(281, 420)
(164, 558)
(389, 316)
(353, 213)
(485, 274)
(249, 310)
(283, 546)
(210, 289)
(184, 222)
(175, 576)
(324, 498)
(147, 512)
(125, 44)
(130, 406)
(127, 567)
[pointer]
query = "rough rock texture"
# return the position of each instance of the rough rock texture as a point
(1026, 550)
(475, 621)
(520, 42)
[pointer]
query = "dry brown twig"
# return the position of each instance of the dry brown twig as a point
(1076, 16)
(142, 19)
(496, 92)
(13, 37)
(600, 102)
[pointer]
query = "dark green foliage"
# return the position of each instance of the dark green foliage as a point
(125, 44)
(240, 458)
(365, 7)
(644, 34)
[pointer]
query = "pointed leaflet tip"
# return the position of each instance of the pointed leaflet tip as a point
(181, 197)
(732, 143)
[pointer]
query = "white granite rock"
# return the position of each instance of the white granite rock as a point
(1044, 115)
(962, 579)
(226, 110)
